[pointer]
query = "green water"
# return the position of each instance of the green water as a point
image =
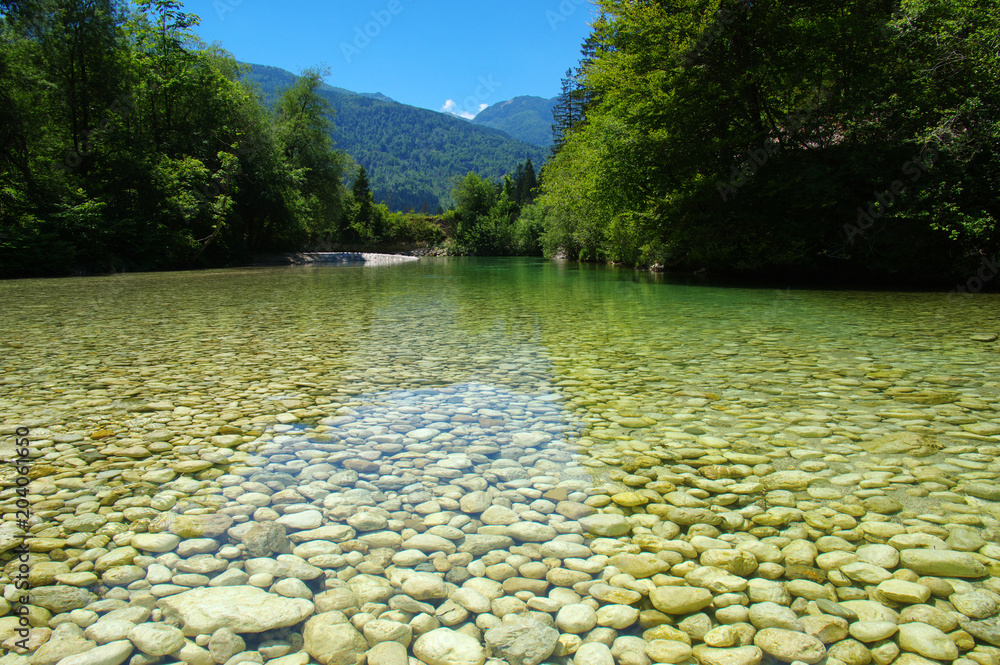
(616, 346)
(632, 357)
(426, 391)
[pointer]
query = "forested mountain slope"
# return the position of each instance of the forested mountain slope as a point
(412, 155)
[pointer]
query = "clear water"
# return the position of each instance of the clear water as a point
(604, 361)
(413, 386)
(606, 341)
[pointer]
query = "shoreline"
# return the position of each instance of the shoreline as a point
(816, 280)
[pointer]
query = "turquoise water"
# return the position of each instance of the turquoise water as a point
(606, 341)
(474, 403)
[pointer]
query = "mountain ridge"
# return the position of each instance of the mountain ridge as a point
(413, 156)
(526, 118)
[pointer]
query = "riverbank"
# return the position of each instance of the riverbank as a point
(332, 258)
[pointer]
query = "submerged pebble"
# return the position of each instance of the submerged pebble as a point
(263, 491)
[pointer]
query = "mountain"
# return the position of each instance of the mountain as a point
(527, 119)
(413, 156)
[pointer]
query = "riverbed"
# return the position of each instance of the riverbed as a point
(516, 460)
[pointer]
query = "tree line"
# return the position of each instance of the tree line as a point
(128, 144)
(845, 138)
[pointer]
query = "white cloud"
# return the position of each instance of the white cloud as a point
(451, 107)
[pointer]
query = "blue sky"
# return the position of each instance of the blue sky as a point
(454, 56)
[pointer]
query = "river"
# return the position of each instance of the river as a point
(428, 448)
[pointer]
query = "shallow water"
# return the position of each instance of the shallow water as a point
(460, 374)
(261, 335)
(629, 357)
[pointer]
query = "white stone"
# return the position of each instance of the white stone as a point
(156, 639)
(444, 646)
(244, 609)
(576, 619)
(593, 653)
(113, 653)
(926, 640)
(332, 640)
(307, 519)
(155, 542)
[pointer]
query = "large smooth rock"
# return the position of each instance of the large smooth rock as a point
(942, 563)
(679, 599)
(474, 502)
(307, 519)
(668, 651)
(155, 542)
(772, 615)
(60, 598)
(522, 641)
(388, 653)
(113, 653)
(429, 543)
(332, 640)
(790, 646)
(445, 646)
(156, 639)
(201, 526)
(424, 586)
(901, 591)
(371, 589)
(576, 618)
(639, 565)
(607, 525)
(593, 653)
(244, 609)
(794, 481)
(748, 655)
(478, 544)
(531, 532)
(926, 640)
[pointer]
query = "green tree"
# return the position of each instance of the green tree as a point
(366, 220)
(741, 136)
(304, 129)
(126, 144)
(525, 183)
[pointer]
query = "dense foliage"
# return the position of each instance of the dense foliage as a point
(412, 156)
(493, 219)
(856, 136)
(128, 145)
